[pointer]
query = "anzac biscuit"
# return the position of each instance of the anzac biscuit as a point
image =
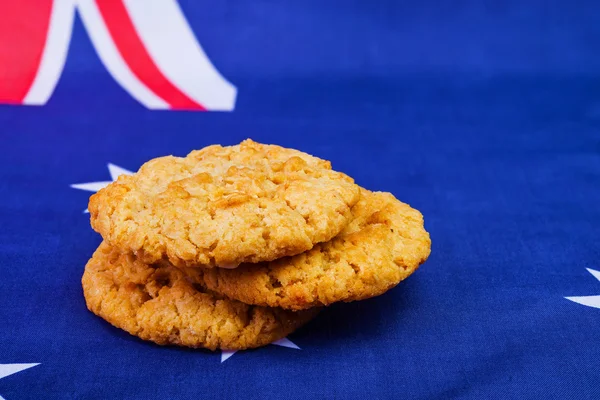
(385, 242)
(221, 206)
(163, 304)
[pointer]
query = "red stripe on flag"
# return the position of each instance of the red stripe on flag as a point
(136, 56)
(23, 30)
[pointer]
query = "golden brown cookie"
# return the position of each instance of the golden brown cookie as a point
(165, 305)
(221, 206)
(385, 242)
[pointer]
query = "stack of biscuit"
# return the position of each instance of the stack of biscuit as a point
(236, 247)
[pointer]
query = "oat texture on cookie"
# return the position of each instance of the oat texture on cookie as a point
(383, 244)
(163, 304)
(222, 206)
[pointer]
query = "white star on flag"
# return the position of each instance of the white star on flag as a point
(9, 369)
(590, 301)
(115, 171)
(285, 342)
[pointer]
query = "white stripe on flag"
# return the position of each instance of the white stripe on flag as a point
(111, 58)
(169, 40)
(54, 53)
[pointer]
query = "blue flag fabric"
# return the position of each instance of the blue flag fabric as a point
(485, 116)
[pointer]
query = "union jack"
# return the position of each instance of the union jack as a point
(146, 45)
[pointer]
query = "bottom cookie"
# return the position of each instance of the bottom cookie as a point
(165, 305)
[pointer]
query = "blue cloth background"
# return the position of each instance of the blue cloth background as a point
(484, 115)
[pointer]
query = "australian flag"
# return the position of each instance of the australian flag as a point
(483, 115)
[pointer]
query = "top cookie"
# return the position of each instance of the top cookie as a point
(222, 206)
(385, 242)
